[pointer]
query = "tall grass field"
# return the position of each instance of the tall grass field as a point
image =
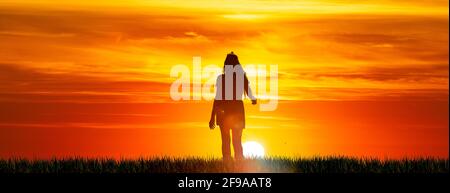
(319, 165)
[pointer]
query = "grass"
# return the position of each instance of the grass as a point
(317, 165)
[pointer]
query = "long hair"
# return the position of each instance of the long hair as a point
(231, 59)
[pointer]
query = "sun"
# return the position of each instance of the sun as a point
(253, 149)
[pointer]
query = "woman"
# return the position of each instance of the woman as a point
(228, 108)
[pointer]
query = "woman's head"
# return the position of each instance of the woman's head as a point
(231, 59)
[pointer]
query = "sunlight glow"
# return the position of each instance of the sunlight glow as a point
(253, 149)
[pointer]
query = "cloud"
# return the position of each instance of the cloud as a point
(49, 35)
(417, 73)
(81, 54)
(21, 84)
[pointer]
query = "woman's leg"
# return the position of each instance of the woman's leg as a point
(226, 149)
(237, 145)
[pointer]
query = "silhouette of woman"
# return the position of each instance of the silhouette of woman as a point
(228, 108)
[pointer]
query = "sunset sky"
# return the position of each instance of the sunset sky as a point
(364, 78)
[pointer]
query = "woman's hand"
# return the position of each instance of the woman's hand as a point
(212, 124)
(254, 102)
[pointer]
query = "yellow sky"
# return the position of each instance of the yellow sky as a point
(262, 6)
(375, 52)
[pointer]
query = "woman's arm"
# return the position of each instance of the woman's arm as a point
(212, 120)
(248, 90)
(218, 96)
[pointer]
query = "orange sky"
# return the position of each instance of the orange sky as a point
(92, 78)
